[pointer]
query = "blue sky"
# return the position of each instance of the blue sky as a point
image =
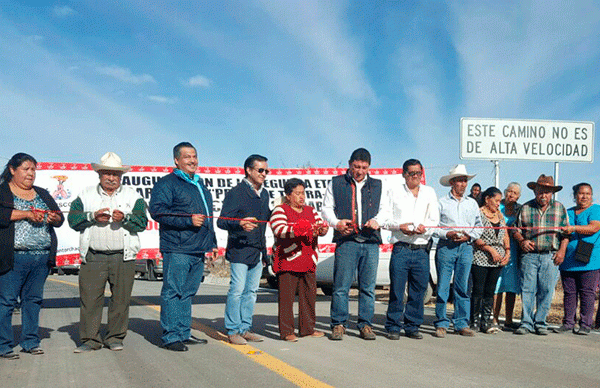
(298, 81)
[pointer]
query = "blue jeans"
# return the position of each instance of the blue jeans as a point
(412, 266)
(182, 275)
(26, 280)
(539, 275)
(241, 297)
(458, 258)
(352, 257)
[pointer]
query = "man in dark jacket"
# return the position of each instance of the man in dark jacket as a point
(351, 202)
(246, 247)
(182, 205)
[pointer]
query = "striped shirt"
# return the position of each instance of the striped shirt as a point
(553, 218)
(293, 253)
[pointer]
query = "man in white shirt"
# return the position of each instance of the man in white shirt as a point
(407, 208)
(109, 218)
(350, 205)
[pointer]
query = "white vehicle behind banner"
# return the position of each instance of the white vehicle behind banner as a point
(65, 181)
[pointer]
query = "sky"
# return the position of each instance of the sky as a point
(301, 82)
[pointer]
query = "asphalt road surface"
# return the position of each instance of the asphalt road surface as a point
(501, 360)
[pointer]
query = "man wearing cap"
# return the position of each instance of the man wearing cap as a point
(408, 206)
(350, 205)
(108, 217)
(182, 205)
(543, 249)
(459, 221)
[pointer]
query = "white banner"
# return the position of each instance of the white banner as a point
(541, 140)
(65, 181)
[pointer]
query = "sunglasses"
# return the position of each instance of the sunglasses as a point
(414, 173)
(262, 170)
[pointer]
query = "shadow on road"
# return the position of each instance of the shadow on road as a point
(148, 328)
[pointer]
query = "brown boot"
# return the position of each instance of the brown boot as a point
(367, 333)
(337, 333)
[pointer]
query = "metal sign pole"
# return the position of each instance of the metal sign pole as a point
(497, 173)
(555, 176)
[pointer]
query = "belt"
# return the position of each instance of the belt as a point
(412, 246)
(543, 252)
(115, 252)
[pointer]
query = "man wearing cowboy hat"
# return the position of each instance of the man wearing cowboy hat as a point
(108, 218)
(543, 248)
(460, 217)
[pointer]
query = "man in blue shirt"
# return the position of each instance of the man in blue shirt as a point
(455, 251)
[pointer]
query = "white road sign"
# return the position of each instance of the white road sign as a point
(541, 140)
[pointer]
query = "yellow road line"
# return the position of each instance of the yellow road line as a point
(283, 369)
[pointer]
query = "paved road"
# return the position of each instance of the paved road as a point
(484, 361)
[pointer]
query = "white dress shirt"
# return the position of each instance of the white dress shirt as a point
(328, 212)
(401, 206)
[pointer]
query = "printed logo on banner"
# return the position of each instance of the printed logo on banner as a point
(61, 192)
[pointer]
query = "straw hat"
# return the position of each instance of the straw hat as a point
(110, 162)
(458, 170)
(545, 181)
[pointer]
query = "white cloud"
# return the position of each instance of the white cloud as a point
(66, 115)
(125, 75)
(36, 38)
(62, 11)
(199, 81)
(320, 28)
(162, 99)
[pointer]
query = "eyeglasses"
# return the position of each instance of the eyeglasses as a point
(414, 173)
(262, 170)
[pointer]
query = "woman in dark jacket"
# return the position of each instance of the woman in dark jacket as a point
(28, 216)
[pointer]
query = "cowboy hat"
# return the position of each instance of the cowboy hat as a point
(458, 170)
(110, 162)
(546, 182)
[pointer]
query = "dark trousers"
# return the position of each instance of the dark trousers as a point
(407, 266)
(579, 285)
(305, 285)
(99, 269)
(484, 281)
(482, 295)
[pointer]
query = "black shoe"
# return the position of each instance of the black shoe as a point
(394, 335)
(562, 329)
(195, 341)
(176, 347)
(583, 330)
(522, 331)
(414, 335)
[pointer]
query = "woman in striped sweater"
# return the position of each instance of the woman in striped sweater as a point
(296, 227)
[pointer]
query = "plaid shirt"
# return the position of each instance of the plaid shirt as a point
(555, 216)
